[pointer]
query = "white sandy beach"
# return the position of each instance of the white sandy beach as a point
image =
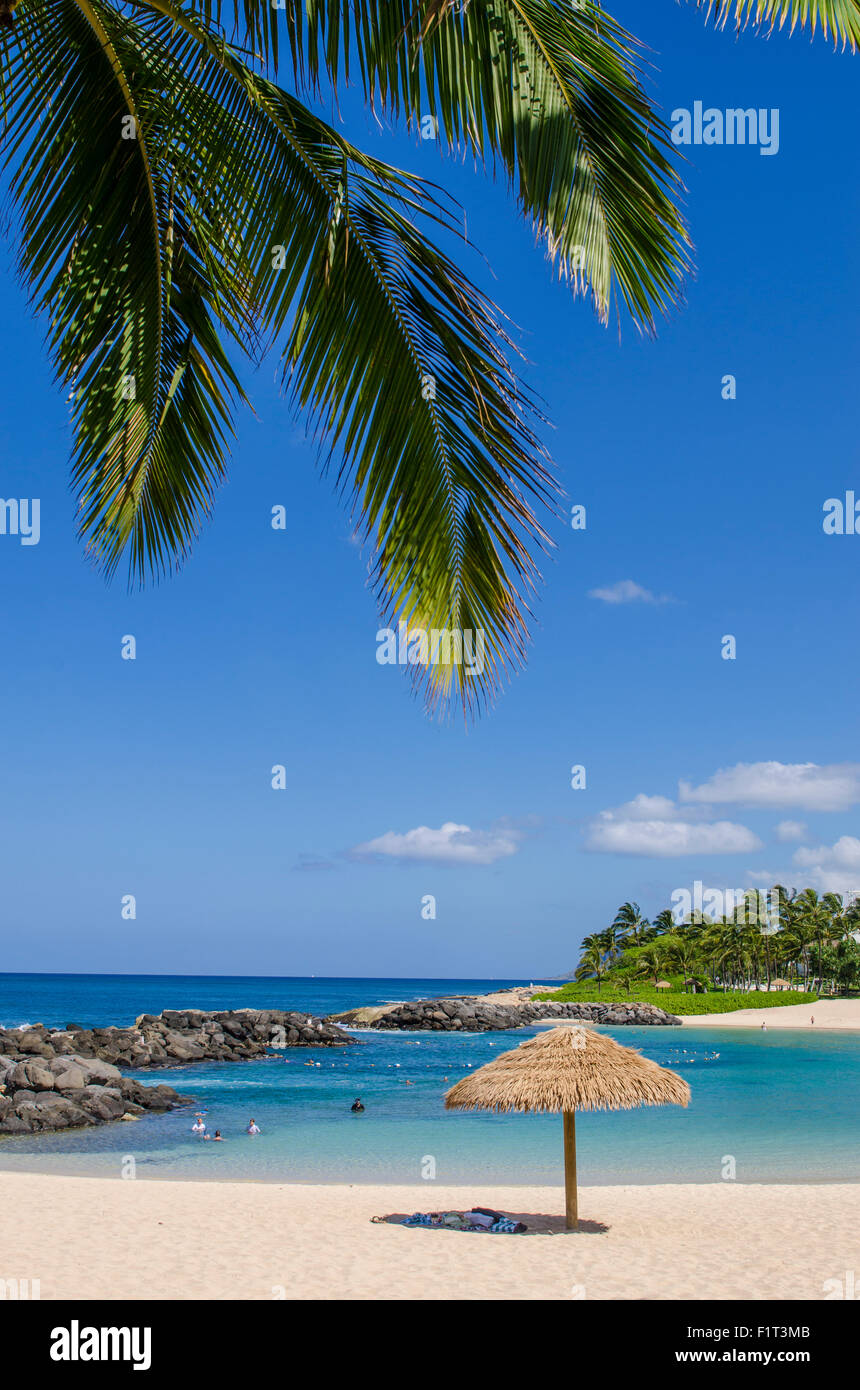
(828, 1013)
(98, 1238)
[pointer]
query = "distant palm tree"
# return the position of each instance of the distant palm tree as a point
(681, 951)
(786, 945)
(851, 916)
(592, 966)
(847, 964)
(624, 977)
(177, 208)
(610, 943)
(633, 928)
(819, 920)
(650, 960)
(664, 921)
(763, 917)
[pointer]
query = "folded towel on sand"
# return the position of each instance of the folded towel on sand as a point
(460, 1221)
(482, 1219)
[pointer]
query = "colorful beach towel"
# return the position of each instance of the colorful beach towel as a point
(460, 1221)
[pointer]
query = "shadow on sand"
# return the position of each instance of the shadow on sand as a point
(536, 1223)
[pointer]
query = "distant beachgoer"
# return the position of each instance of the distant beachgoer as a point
(812, 1018)
(253, 1127)
(198, 1127)
(356, 1106)
(216, 1136)
(764, 1027)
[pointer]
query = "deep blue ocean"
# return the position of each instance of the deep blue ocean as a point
(782, 1106)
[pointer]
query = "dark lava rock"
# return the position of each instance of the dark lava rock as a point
(59, 1078)
(477, 1015)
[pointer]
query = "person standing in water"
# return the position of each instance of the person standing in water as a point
(253, 1127)
(356, 1106)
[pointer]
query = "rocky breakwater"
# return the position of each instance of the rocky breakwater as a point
(47, 1084)
(191, 1035)
(477, 1014)
(62, 1078)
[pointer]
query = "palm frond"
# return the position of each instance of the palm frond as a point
(401, 364)
(551, 89)
(839, 18)
(116, 247)
(142, 249)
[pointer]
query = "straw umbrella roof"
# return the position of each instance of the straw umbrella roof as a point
(663, 984)
(779, 981)
(568, 1069)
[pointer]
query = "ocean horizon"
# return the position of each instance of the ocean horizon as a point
(100, 1001)
(765, 1101)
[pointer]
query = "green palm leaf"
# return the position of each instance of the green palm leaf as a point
(141, 249)
(400, 363)
(841, 18)
(177, 210)
(116, 248)
(549, 88)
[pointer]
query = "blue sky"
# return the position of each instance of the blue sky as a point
(153, 777)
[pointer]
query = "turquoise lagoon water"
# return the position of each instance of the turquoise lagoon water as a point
(785, 1105)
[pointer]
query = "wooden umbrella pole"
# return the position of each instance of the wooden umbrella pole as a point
(571, 1212)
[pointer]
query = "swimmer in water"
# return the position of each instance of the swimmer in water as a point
(253, 1127)
(217, 1136)
(198, 1127)
(356, 1106)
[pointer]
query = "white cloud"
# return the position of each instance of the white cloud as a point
(832, 868)
(775, 785)
(790, 830)
(644, 807)
(450, 844)
(666, 839)
(625, 591)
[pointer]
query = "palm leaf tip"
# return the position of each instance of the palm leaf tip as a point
(839, 18)
(401, 366)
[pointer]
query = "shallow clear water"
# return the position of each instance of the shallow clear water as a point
(785, 1106)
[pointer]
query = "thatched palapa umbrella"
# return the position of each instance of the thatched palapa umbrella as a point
(568, 1069)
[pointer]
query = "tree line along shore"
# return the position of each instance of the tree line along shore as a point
(772, 950)
(634, 972)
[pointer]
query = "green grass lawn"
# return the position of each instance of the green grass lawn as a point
(675, 1001)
